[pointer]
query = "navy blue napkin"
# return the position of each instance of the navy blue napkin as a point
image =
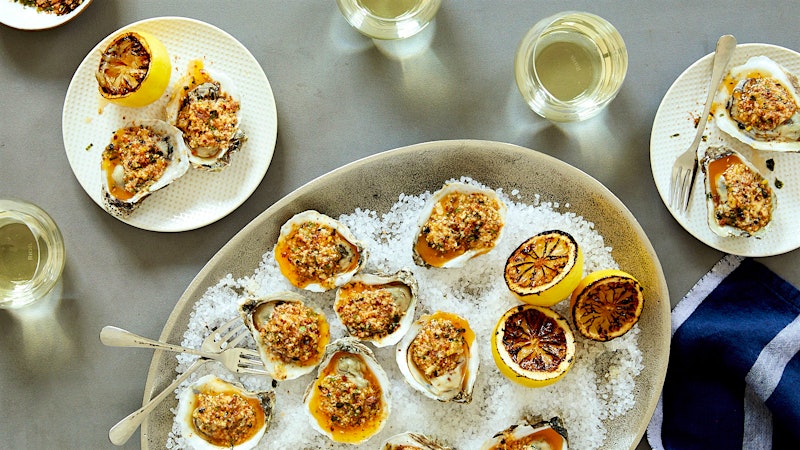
(733, 380)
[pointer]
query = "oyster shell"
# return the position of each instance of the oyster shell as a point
(318, 253)
(759, 104)
(204, 105)
(290, 335)
(459, 221)
(377, 308)
(126, 180)
(239, 420)
(535, 433)
(349, 400)
(739, 199)
(451, 374)
(408, 441)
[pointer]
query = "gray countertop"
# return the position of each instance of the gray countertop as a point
(338, 99)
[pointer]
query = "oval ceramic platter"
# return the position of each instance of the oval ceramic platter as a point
(197, 198)
(17, 15)
(375, 183)
(673, 131)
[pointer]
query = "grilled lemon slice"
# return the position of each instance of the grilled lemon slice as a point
(544, 269)
(533, 346)
(134, 69)
(606, 304)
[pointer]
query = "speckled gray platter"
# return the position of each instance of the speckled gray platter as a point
(375, 183)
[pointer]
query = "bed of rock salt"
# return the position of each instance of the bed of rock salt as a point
(597, 387)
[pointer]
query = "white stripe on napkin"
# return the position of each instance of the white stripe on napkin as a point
(757, 422)
(680, 313)
(762, 379)
(768, 369)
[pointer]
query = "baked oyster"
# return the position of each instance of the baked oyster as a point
(439, 357)
(411, 441)
(290, 335)
(739, 199)
(143, 157)
(377, 308)
(530, 434)
(215, 414)
(349, 400)
(318, 253)
(459, 222)
(205, 107)
(758, 103)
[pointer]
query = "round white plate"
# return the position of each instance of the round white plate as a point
(198, 198)
(673, 131)
(23, 17)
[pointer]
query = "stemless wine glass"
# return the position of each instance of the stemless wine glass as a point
(31, 253)
(389, 19)
(569, 66)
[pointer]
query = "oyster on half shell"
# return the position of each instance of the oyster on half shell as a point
(290, 335)
(409, 441)
(459, 221)
(349, 401)
(739, 199)
(143, 157)
(206, 107)
(758, 103)
(215, 414)
(534, 433)
(377, 308)
(318, 253)
(439, 357)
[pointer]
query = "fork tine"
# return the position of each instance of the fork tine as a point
(251, 370)
(674, 186)
(250, 355)
(221, 329)
(242, 333)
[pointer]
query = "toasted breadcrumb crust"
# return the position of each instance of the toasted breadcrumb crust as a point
(762, 103)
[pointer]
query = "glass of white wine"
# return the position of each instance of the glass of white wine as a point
(31, 253)
(389, 19)
(569, 66)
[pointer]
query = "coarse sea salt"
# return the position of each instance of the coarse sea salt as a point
(598, 386)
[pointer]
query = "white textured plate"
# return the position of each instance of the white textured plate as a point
(198, 198)
(673, 131)
(17, 15)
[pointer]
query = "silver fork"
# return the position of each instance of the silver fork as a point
(685, 167)
(215, 342)
(235, 359)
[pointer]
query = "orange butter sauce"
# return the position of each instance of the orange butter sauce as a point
(546, 435)
(344, 434)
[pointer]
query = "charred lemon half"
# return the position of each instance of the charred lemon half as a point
(606, 304)
(544, 269)
(134, 69)
(533, 346)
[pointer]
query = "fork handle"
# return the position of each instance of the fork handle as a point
(117, 337)
(722, 54)
(124, 429)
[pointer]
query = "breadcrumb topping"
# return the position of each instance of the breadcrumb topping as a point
(762, 103)
(141, 153)
(224, 418)
(747, 204)
(439, 348)
(368, 312)
(292, 333)
(461, 222)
